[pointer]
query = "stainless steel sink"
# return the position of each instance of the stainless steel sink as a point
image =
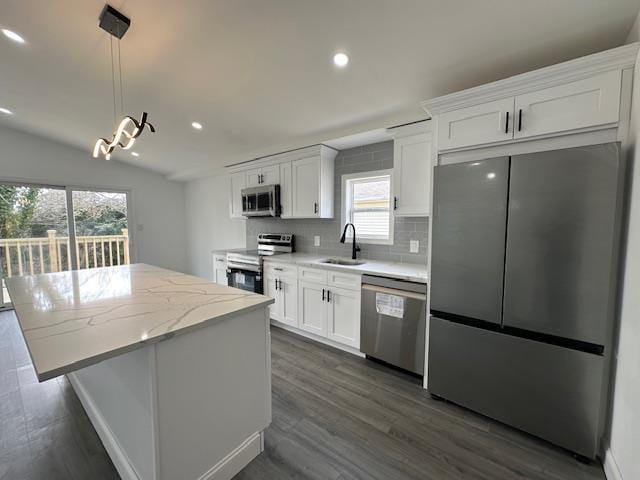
(341, 261)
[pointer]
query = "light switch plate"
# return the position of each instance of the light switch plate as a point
(414, 246)
(316, 241)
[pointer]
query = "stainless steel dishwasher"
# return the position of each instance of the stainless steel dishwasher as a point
(393, 318)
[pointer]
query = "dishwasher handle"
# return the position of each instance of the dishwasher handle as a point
(394, 291)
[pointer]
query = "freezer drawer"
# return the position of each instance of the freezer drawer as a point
(551, 392)
(469, 224)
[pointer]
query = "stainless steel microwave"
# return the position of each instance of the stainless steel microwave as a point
(262, 201)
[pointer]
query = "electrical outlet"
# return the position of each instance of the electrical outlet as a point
(316, 241)
(414, 246)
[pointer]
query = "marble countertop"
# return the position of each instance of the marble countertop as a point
(71, 320)
(403, 271)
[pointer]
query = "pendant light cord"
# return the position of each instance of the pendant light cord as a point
(121, 91)
(113, 83)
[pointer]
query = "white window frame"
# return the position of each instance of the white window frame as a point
(344, 205)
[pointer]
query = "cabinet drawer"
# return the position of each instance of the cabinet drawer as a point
(350, 281)
(281, 269)
(220, 259)
(586, 103)
(312, 275)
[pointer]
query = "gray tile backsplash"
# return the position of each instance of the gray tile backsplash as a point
(378, 156)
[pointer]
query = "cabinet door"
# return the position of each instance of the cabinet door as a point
(412, 175)
(238, 181)
(485, 123)
(288, 293)
(344, 316)
(270, 175)
(221, 275)
(306, 187)
(312, 309)
(586, 103)
(253, 177)
(271, 291)
(285, 190)
(220, 269)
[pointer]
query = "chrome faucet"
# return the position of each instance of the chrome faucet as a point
(356, 248)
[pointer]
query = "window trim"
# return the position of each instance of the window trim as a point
(343, 206)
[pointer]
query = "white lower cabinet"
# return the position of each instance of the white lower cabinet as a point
(330, 307)
(220, 269)
(284, 290)
(324, 303)
(343, 322)
(312, 307)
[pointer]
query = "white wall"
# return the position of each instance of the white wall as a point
(209, 226)
(158, 204)
(623, 459)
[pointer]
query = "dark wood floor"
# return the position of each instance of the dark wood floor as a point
(335, 416)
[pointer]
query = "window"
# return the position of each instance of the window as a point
(366, 202)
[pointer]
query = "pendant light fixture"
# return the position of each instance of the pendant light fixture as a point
(129, 129)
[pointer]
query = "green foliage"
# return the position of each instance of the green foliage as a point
(17, 209)
(30, 211)
(106, 221)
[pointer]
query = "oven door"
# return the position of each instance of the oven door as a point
(245, 279)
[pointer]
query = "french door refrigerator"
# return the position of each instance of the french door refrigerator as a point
(523, 289)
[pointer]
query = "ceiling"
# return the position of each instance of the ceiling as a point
(258, 74)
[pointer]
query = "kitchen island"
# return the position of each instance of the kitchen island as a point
(173, 370)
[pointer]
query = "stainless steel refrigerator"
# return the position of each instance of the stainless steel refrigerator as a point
(523, 289)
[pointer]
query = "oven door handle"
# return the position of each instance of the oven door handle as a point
(243, 267)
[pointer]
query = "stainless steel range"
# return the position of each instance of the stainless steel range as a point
(244, 269)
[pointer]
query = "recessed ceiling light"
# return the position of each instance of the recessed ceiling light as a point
(341, 59)
(13, 36)
(196, 125)
(6, 111)
(135, 154)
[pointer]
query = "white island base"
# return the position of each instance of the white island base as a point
(193, 406)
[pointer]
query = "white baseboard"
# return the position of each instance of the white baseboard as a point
(317, 338)
(229, 466)
(116, 453)
(611, 470)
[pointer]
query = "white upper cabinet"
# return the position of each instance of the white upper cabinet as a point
(586, 103)
(263, 176)
(412, 166)
(305, 177)
(237, 181)
(312, 185)
(286, 184)
(486, 123)
(306, 187)
(578, 98)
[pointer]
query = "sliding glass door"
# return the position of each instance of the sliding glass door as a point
(101, 228)
(47, 229)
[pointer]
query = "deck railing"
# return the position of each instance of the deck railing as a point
(29, 256)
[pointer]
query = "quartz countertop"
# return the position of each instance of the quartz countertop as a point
(71, 320)
(403, 271)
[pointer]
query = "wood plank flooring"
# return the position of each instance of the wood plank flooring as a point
(44, 432)
(335, 416)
